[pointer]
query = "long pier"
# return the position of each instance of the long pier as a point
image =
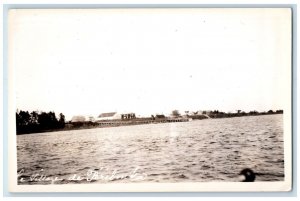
(140, 121)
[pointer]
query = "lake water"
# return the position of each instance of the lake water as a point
(196, 151)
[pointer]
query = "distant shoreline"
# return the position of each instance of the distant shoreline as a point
(142, 121)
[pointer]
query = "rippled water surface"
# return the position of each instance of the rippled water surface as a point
(196, 151)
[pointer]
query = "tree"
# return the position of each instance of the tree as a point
(18, 119)
(34, 116)
(175, 113)
(43, 120)
(254, 112)
(37, 122)
(24, 118)
(48, 120)
(61, 120)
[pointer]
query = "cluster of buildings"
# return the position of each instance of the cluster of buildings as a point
(104, 117)
(114, 116)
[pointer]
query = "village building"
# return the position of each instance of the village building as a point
(79, 118)
(115, 116)
(108, 116)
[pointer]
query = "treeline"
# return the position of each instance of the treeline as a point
(35, 122)
(220, 114)
(239, 113)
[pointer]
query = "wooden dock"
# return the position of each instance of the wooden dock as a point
(141, 121)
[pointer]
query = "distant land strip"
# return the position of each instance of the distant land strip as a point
(38, 122)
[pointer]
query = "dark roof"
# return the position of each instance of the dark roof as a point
(108, 114)
(160, 116)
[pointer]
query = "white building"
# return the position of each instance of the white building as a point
(82, 118)
(78, 118)
(108, 116)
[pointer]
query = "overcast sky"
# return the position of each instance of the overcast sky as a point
(149, 61)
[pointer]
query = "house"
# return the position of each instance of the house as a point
(128, 116)
(79, 118)
(160, 116)
(90, 119)
(115, 116)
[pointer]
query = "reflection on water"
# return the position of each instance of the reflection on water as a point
(196, 151)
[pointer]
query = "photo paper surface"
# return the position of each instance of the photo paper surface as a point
(150, 100)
